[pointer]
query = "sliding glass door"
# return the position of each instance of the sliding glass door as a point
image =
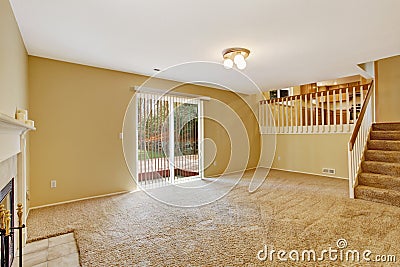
(169, 138)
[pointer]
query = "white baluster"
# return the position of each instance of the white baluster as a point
(267, 116)
(301, 113)
(348, 108)
(316, 111)
(270, 115)
(328, 110)
(276, 118)
(286, 115)
(267, 113)
(291, 114)
(295, 103)
(281, 107)
(260, 115)
(334, 110)
(278, 108)
(306, 111)
(354, 105)
(322, 112)
(264, 119)
(311, 114)
(341, 109)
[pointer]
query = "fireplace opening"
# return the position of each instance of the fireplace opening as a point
(7, 199)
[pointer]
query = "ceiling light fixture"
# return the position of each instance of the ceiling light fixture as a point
(235, 55)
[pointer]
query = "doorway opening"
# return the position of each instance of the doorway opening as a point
(169, 139)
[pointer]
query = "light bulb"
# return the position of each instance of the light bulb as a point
(241, 65)
(228, 63)
(238, 59)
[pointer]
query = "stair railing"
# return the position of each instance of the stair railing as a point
(359, 138)
(331, 111)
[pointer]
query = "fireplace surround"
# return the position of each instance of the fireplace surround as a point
(13, 165)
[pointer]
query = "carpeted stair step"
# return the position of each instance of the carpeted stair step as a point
(379, 181)
(394, 126)
(385, 135)
(382, 156)
(384, 145)
(385, 196)
(386, 168)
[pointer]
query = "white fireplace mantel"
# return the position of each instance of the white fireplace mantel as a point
(11, 131)
(13, 157)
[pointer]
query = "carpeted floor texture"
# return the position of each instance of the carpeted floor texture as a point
(289, 212)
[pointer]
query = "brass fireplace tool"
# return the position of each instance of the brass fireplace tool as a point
(7, 235)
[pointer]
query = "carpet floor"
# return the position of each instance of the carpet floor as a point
(288, 212)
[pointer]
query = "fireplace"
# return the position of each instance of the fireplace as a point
(13, 186)
(7, 200)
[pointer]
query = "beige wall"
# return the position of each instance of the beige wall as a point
(309, 153)
(13, 70)
(13, 63)
(79, 113)
(387, 74)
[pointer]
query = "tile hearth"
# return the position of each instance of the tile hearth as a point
(51, 252)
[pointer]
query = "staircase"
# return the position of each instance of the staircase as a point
(379, 180)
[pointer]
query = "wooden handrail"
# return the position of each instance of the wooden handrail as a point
(313, 94)
(360, 118)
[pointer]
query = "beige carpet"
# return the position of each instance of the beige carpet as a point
(290, 211)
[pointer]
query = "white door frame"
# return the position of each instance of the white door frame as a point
(200, 126)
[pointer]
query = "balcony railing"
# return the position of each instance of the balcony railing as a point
(332, 111)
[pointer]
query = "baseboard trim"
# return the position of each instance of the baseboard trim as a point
(310, 173)
(78, 199)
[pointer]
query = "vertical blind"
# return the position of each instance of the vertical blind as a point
(168, 138)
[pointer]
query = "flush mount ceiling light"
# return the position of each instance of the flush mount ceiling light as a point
(235, 55)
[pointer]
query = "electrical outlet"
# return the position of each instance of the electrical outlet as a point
(215, 163)
(53, 184)
(328, 171)
(279, 157)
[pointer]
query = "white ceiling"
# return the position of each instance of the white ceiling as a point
(292, 42)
